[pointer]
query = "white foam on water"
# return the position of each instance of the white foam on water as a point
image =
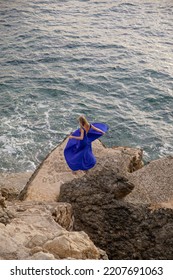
(166, 150)
(58, 66)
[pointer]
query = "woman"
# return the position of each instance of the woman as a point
(78, 151)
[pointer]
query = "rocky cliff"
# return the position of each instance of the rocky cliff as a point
(124, 230)
(120, 208)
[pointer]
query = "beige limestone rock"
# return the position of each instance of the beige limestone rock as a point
(168, 204)
(42, 256)
(11, 184)
(2, 201)
(153, 183)
(6, 215)
(75, 245)
(132, 158)
(33, 230)
(63, 215)
(45, 183)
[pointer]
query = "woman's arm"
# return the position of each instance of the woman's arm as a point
(97, 129)
(78, 137)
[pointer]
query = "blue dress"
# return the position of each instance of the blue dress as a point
(78, 153)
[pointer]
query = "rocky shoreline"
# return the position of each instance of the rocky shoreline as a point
(120, 209)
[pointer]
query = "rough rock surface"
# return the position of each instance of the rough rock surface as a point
(33, 233)
(2, 201)
(6, 215)
(45, 183)
(101, 183)
(124, 230)
(42, 256)
(153, 183)
(11, 184)
(113, 205)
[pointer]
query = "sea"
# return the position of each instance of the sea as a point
(110, 60)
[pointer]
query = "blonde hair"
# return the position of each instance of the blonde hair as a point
(83, 121)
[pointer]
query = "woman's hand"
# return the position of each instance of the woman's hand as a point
(77, 137)
(103, 132)
(70, 136)
(97, 129)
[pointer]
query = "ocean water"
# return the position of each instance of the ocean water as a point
(110, 60)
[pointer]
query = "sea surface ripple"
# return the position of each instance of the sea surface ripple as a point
(110, 60)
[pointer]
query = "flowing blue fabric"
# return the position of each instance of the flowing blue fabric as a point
(78, 153)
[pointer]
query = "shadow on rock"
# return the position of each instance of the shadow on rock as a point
(124, 230)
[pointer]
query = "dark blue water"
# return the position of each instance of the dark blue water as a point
(110, 60)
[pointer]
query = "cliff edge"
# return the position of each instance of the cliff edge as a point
(120, 209)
